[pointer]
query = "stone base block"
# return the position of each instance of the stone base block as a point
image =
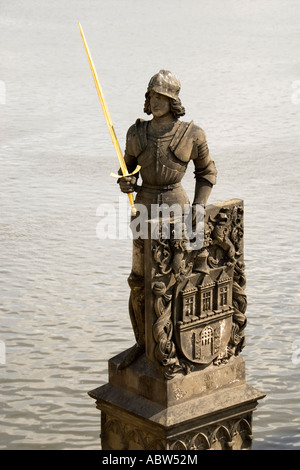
(206, 409)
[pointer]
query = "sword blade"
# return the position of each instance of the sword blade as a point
(106, 113)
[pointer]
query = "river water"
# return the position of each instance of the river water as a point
(63, 287)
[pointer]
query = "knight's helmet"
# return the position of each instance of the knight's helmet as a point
(165, 83)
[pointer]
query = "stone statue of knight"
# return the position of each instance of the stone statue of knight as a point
(163, 147)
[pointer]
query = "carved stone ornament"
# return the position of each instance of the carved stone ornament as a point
(182, 386)
(234, 434)
(199, 295)
(188, 391)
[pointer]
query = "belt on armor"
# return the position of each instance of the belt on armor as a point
(161, 188)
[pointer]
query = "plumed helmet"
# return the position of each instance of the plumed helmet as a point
(165, 83)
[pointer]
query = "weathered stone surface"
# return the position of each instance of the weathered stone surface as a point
(195, 299)
(182, 385)
(145, 379)
(186, 412)
(188, 390)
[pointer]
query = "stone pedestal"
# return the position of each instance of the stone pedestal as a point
(188, 390)
(206, 409)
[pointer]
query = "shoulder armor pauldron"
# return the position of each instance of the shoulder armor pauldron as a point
(184, 140)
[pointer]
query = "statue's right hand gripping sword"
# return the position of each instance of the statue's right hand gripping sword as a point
(109, 123)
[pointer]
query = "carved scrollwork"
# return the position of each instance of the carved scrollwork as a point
(162, 255)
(239, 303)
(165, 350)
(211, 283)
(224, 236)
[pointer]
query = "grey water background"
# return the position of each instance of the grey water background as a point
(63, 287)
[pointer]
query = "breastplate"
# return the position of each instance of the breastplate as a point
(159, 164)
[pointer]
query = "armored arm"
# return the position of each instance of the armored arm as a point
(205, 170)
(128, 184)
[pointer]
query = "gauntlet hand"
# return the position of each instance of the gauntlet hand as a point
(127, 184)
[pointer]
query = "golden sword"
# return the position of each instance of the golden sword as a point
(109, 122)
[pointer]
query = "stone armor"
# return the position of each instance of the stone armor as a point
(163, 159)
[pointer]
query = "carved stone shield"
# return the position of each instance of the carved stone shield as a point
(202, 316)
